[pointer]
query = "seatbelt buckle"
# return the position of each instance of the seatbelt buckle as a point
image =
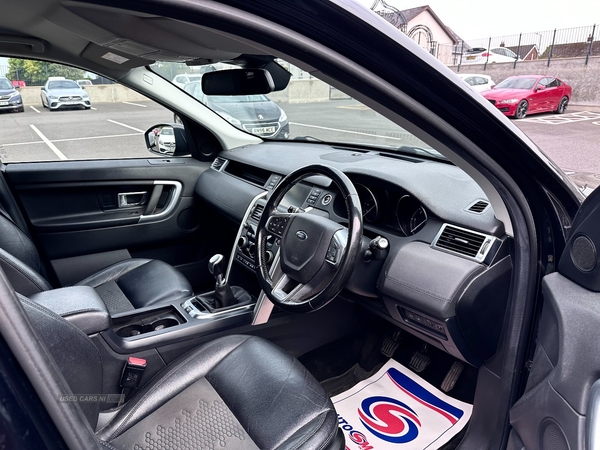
(133, 372)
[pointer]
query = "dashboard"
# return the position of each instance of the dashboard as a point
(446, 274)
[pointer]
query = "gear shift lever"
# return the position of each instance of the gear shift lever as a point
(223, 295)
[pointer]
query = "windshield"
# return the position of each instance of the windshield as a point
(517, 83)
(5, 84)
(63, 84)
(307, 110)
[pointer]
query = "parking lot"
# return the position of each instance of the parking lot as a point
(115, 130)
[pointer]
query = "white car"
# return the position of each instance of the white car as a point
(478, 82)
(479, 55)
(166, 141)
(184, 78)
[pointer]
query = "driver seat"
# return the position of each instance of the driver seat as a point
(236, 392)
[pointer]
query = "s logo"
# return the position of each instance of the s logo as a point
(301, 235)
(389, 419)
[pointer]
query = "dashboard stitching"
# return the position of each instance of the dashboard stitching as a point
(420, 291)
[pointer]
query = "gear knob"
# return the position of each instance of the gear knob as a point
(215, 267)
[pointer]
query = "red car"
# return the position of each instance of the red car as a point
(528, 94)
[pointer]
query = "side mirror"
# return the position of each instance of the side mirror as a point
(43, 88)
(167, 140)
(540, 87)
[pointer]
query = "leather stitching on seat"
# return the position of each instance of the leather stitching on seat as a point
(163, 380)
(108, 445)
(27, 275)
(70, 313)
(102, 280)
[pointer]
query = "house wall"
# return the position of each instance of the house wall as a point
(583, 79)
(439, 35)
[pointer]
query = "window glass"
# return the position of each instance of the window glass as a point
(308, 109)
(65, 122)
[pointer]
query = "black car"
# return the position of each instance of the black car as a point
(10, 99)
(229, 295)
(255, 114)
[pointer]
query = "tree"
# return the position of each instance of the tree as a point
(37, 72)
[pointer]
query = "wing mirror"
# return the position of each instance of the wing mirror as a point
(167, 140)
(540, 87)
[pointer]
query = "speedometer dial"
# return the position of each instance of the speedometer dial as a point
(411, 215)
(368, 203)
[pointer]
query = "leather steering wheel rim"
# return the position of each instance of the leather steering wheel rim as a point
(347, 261)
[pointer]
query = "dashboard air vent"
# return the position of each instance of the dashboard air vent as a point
(478, 207)
(258, 210)
(218, 163)
(463, 242)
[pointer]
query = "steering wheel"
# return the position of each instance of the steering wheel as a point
(316, 255)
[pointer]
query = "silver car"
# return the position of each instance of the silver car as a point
(59, 93)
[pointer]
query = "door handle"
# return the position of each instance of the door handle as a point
(130, 199)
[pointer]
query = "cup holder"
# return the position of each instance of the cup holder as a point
(137, 329)
(131, 330)
(163, 323)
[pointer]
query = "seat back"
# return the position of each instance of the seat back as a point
(75, 354)
(19, 256)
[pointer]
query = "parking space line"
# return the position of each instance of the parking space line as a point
(35, 109)
(135, 104)
(126, 126)
(56, 151)
(95, 109)
(22, 143)
(96, 137)
(345, 131)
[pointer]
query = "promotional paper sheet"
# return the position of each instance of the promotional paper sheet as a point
(396, 409)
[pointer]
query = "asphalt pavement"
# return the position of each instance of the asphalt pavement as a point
(115, 130)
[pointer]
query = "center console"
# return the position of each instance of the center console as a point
(227, 307)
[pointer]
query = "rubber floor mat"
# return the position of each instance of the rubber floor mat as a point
(396, 409)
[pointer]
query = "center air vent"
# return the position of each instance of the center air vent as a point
(218, 163)
(463, 242)
(258, 210)
(478, 207)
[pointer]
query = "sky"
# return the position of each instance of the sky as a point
(472, 19)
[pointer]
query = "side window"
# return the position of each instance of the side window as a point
(57, 119)
(470, 81)
(544, 81)
(499, 51)
(481, 80)
(553, 82)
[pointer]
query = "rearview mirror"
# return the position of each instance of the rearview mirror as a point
(237, 82)
(167, 140)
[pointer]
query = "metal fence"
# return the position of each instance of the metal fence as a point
(579, 42)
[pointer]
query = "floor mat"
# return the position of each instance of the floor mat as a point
(397, 409)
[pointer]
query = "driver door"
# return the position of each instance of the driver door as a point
(561, 404)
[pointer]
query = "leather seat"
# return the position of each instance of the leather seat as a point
(236, 392)
(124, 286)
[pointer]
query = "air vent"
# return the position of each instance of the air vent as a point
(218, 163)
(258, 210)
(478, 207)
(463, 242)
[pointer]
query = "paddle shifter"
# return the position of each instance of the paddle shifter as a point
(223, 295)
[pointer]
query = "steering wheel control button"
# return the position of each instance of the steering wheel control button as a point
(277, 225)
(326, 200)
(332, 252)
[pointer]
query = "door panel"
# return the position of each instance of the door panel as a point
(141, 207)
(552, 412)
